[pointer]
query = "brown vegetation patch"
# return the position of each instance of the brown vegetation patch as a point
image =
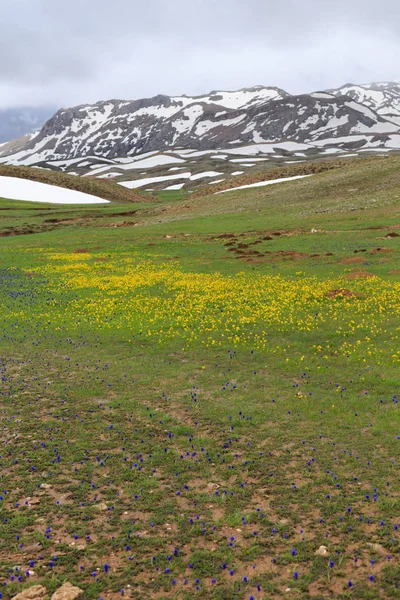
(289, 255)
(381, 250)
(359, 275)
(352, 261)
(341, 292)
(66, 220)
(122, 224)
(255, 261)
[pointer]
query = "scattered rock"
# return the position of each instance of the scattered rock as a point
(32, 548)
(212, 486)
(37, 592)
(46, 486)
(67, 592)
(322, 551)
(33, 501)
(379, 549)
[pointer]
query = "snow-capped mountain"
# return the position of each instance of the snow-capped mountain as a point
(384, 98)
(18, 122)
(352, 117)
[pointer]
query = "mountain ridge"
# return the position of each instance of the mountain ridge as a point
(350, 117)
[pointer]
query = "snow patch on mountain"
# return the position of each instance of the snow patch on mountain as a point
(13, 188)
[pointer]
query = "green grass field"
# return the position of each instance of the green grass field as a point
(197, 393)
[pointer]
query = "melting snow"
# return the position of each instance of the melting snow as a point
(140, 182)
(239, 160)
(205, 174)
(263, 183)
(268, 148)
(205, 126)
(177, 186)
(13, 188)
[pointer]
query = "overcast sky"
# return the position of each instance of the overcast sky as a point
(79, 51)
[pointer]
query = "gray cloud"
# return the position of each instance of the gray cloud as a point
(81, 51)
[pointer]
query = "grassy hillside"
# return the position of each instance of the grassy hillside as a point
(200, 395)
(96, 187)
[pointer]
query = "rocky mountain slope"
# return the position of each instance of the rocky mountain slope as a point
(352, 118)
(383, 98)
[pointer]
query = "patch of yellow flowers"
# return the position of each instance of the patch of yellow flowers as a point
(137, 295)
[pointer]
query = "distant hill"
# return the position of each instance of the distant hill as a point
(17, 122)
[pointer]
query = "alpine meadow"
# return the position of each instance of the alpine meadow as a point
(199, 392)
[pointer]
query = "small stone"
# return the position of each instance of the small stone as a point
(37, 592)
(379, 549)
(32, 548)
(67, 592)
(322, 551)
(33, 501)
(212, 486)
(46, 486)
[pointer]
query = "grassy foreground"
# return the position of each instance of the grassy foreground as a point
(198, 395)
